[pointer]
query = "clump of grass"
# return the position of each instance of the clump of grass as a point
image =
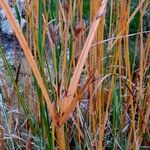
(86, 82)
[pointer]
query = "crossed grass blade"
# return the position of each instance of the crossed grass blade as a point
(68, 100)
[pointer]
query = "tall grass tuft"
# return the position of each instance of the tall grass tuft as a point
(85, 81)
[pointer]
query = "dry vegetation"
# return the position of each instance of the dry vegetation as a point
(86, 76)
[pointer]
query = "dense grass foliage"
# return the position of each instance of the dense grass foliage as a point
(85, 81)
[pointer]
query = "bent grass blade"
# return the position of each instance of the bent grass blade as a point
(28, 54)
